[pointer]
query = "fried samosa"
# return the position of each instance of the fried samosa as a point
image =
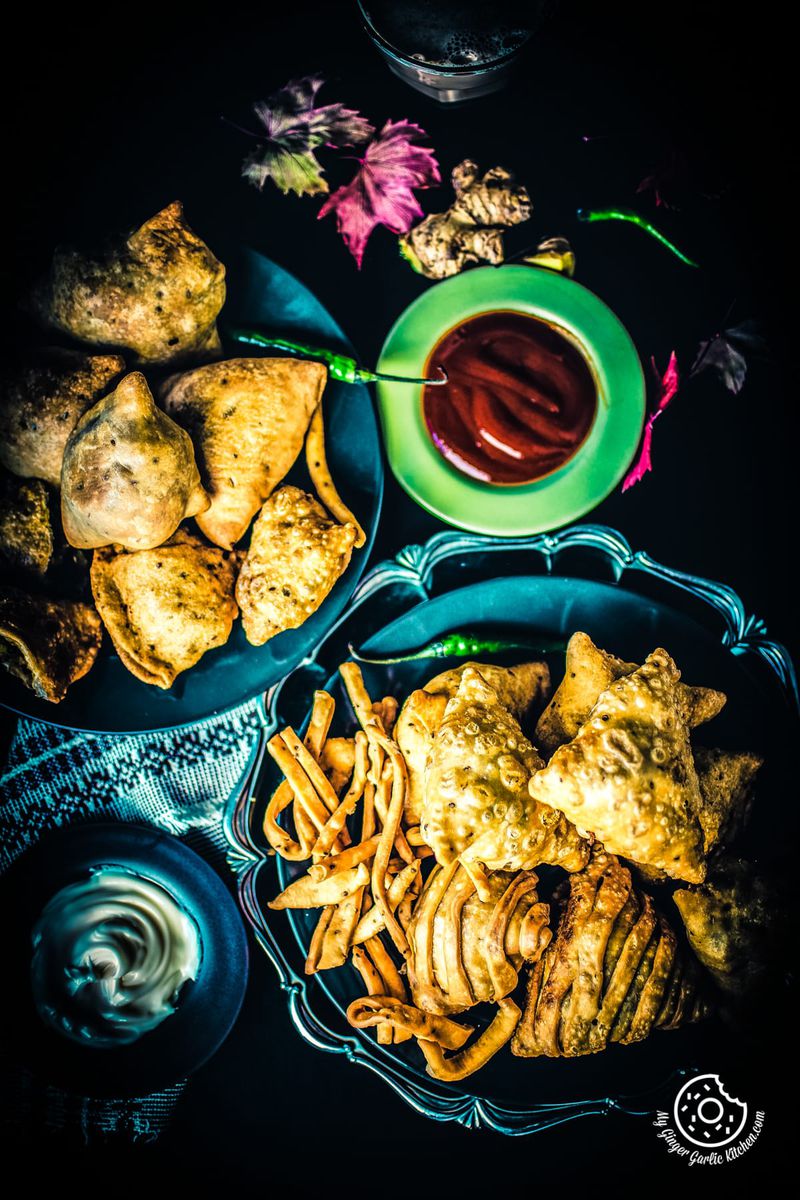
(26, 531)
(247, 418)
(613, 972)
(48, 644)
(588, 672)
(164, 608)
(726, 791)
(42, 403)
(476, 804)
(729, 922)
(629, 777)
(129, 477)
(519, 689)
(296, 555)
(156, 293)
(466, 950)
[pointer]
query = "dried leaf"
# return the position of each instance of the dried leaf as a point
(668, 387)
(724, 354)
(293, 129)
(382, 191)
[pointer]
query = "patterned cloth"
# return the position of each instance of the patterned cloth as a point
(178, 781)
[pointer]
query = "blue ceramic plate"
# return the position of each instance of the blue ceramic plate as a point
(109, 699)
(586, 578)
(593, 471)
(207, 1008)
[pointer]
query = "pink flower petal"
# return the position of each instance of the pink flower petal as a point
(668, 388)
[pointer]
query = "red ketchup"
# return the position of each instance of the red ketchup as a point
(519, 401)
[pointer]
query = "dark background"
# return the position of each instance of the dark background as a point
(112, 114)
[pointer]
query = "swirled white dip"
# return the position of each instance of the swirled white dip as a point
(111, 954)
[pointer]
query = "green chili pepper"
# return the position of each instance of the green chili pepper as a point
(340, 366)
(627, 214)
(462, 645)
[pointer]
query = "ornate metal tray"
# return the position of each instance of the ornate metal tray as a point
(585, 577)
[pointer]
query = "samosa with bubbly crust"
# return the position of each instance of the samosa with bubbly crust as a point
(588, 672)
(165, 608)
(155, 294)
(519, 689)
(129, 476)
(476, 805)
(48, 644)
(296, 555)
(41, 402)
(629, 776)
(247, 418)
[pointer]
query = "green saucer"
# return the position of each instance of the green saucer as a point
(566, 494)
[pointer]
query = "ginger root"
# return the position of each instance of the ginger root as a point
(471, 229)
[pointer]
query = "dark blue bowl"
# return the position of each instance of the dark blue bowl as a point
(208, 1007)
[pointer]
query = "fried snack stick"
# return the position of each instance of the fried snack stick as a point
(471, 1059)
(374, 984)
(338, 935)
(316, 735)
(382, 800)
(304, 791)
(317, 939)
(388, 835)
(338, 818)
(351, 857)
(319, 780)
(365, 714)
(387, 709)
(374, 1009)
(308, 893)
(321, 477)
(372, 922)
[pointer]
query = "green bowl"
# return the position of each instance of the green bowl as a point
(597, 466)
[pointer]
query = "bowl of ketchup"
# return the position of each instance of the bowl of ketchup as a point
(542, 410)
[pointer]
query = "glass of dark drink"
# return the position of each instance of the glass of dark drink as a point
(452, 51)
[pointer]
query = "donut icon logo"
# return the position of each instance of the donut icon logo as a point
(706, 1115)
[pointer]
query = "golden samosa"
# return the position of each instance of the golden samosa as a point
(476, 805)
(26, 530)
(247, 418)
(129, 476)
(47, 644)
(295, 556)
(165, 608)
(42, 401)
(156, 293)
(588, 672)
(629, 777)
(519, 689)
(731, 922)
